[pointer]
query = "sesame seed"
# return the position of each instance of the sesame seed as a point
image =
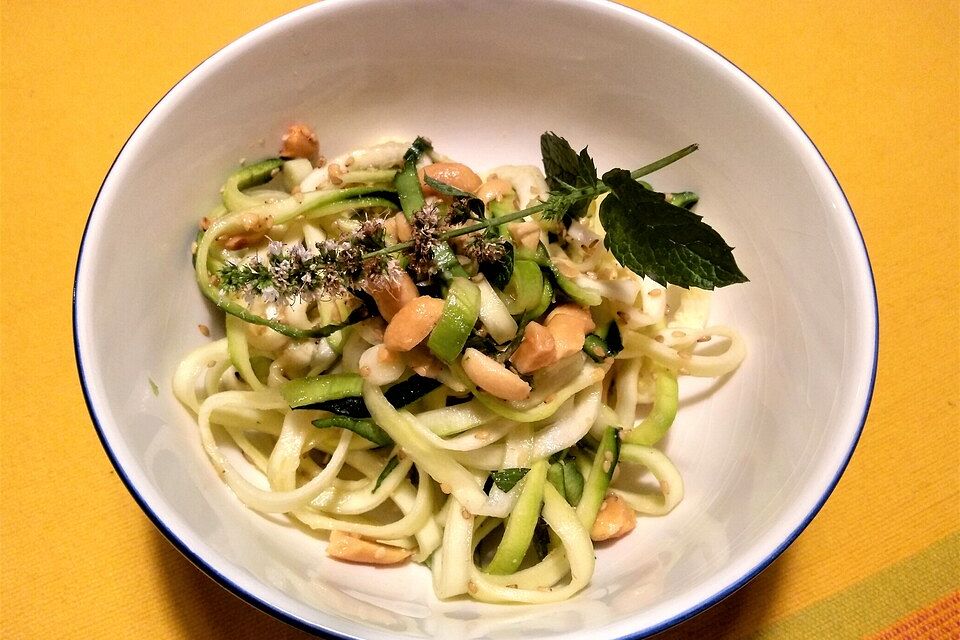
(204, 330)
(445, 487)
(472, 587)
(655, 293)
(678, 334)
(703, 339)
(513, 586)
(211, 364)
(348, 161)
(465, 513)
(659, 338)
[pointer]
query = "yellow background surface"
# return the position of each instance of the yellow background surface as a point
(874, 83)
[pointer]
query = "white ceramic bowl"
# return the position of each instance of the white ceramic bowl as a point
(760, 452)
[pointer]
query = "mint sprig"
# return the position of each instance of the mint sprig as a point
(644, 232)
(567, 172)
(667, 243)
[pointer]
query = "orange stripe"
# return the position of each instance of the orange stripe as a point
(938, 621)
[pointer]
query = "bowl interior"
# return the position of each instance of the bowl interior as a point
(758, 451)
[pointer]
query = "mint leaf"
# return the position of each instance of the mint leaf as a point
(507, 479)
(586, 170)
(654, 238)
(387, 469)
(566, 170)
(447, 189)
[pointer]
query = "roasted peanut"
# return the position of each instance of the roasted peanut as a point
(615, 519)
(353, 548)
(404, 230)
(569, 326)
(393, 294)
(255, 228)
(242, 241)
(536, 350)
(397, 228)
(581, 315)
(525, 234)
(452, 173)
(299, 142)
(493, 377)
(413, 323)
(422, 362)
(496, 189)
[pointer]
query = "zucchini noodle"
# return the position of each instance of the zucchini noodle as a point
(357, 413)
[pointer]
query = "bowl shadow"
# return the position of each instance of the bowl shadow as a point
(204, 609)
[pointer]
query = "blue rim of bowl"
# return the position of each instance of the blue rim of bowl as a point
(303, 625)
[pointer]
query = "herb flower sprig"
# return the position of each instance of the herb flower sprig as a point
(292, 272)
(336, 267)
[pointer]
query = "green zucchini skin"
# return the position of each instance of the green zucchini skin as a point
(666, 399)
(461, 309)
(399, 395)
(567, 480)
(305, 392)
(520, 525)
(524, 287)
(604, 343)
(249, 176)
(407, 184)
(364, 428)
(601, 474)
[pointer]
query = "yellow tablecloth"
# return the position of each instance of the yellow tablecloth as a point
(874, 83)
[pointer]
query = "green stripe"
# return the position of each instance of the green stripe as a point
(880, 600)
